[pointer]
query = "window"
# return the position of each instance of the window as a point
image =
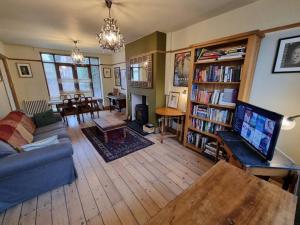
(63, 77)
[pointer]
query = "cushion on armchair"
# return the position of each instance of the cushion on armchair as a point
(45, 118)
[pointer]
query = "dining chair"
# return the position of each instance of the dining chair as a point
(85, 106)
(68, 109)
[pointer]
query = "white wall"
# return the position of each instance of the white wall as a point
(262, 14)
(5, 106)
(278, 92)
(2, 50)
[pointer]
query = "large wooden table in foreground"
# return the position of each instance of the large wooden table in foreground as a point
(226, 195)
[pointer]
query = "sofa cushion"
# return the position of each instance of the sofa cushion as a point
(41, 144)
(48, 128)
(22, 118)
(61, 133)
(45, 118)
(6, 149)
(11, 136)
(19, 127)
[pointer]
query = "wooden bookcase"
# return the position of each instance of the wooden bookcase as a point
(250, 40)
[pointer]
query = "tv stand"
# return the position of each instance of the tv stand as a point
(241, 155)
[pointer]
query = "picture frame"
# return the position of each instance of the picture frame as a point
(173, 99)
(106, 72)
(182, 62)
(24, 70)
(123, 79)
(117, 75)
(287, 58)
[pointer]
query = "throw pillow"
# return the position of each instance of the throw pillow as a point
(45, 118)
(6, 149)
(20, 128)
(40, 144)
(22, 118)
(11, 136)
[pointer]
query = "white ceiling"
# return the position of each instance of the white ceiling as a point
(55, 23)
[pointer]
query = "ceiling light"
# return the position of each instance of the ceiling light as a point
(77, 55)
(110, 37)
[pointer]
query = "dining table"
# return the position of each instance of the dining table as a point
(59, 102)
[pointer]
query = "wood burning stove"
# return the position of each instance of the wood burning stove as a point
(141, 112)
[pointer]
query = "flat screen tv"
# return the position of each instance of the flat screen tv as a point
(258, 127)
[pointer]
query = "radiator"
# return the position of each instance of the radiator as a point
(35, 106)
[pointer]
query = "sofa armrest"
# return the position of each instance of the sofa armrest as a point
(27, 160)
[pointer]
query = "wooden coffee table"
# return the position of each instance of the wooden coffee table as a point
(107, 125)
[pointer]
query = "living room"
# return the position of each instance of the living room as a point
(149, 112)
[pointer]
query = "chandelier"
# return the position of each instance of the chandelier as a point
(77, 55)
(110, 37)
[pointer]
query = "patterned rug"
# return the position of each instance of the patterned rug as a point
(117, 146)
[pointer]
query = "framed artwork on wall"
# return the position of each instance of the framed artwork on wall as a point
(181, 69)
(123, 79)
(287, 59)
(173, 99)
(106, 72)
(117, 75)
(24, 70)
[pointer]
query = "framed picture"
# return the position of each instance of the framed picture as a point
(123, 79)
(287, 59)
(24, 70)
(173, 100)
(181, 69)
(117, 75)
(106, 72)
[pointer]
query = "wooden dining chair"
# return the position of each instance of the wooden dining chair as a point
(97, 106)
(85, 106)
(68, 109)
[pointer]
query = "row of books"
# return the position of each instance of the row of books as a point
(206, 55)
(219, 115)
(210, 148)
(227, 96)
(196, 139)
(217, 73)
(205, 126)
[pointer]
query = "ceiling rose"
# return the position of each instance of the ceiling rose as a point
(77, 55)
(110, 37)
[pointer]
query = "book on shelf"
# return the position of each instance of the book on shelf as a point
(227, 96)
(205, 126)
(196, 139)
(218, 73)
(219, 54)
(217, 115)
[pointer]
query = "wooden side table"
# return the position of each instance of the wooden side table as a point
(165, 115)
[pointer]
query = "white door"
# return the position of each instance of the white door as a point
(7, 103)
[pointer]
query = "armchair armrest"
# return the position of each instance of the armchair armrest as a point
(27, 160)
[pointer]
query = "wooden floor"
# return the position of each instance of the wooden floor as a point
(127, 191)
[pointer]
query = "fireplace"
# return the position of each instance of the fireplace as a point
(141, 112)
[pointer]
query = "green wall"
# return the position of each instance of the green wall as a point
(155, 96)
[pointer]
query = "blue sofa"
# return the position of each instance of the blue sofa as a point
(28, 174)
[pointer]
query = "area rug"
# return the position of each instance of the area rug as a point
(117, 146)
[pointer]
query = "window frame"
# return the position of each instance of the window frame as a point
(74, 70)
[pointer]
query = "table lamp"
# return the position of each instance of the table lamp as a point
(289, 123)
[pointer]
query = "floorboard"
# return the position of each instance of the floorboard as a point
(126, 191)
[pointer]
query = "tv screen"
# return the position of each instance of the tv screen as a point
(259, 127)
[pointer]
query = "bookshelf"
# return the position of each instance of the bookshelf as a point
(222, 72)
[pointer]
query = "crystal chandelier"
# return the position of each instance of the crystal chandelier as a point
(77, 55)
(110, 37)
